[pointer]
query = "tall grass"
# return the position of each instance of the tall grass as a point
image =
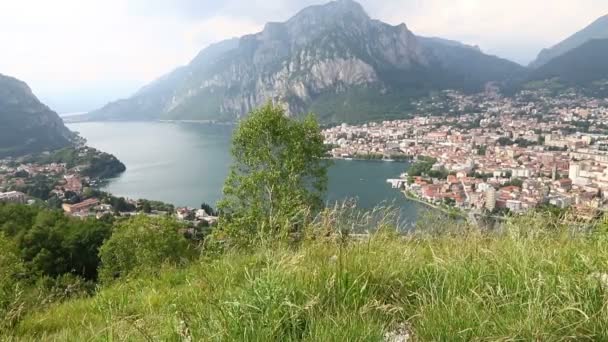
(533, 279)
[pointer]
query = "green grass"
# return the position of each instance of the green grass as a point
(533, 281)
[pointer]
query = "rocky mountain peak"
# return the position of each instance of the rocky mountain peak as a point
(338, 9)
(345, 14)
(331, 59)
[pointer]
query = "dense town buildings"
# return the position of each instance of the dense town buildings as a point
(493, 153)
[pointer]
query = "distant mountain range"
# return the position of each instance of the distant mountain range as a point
(331, 59)
(27, 125)
(597, 30)
(580, 66)
(337, 62)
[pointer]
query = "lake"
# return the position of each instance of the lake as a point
(186, 164)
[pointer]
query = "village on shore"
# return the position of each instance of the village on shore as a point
(486, 153)
(482, 153)
(71, 184)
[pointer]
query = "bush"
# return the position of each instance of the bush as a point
(533, 279)
(51, 244)
(143, 243)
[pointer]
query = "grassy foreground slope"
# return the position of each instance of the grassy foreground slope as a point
(532, 281)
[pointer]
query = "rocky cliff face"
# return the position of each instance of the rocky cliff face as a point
(27, 125)
(323, 52)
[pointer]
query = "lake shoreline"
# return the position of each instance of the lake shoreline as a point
(186, 164)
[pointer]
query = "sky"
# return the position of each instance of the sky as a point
(79, 54)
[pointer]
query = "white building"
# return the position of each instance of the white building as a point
(521, 173)
(12, 197)
(491, 199)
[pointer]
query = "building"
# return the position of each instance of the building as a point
(521, 173)
(491, 199)
(13, 197)
(201, 214)
(184, 214)
(514, 205)
(73, 183)
(82, 207)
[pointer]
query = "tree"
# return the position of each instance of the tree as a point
(208, 209)
(143, 242)
(279, 175)
(52, 244)
(146, 207)
(56, 245)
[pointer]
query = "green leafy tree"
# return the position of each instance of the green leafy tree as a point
(208, 209)
(278, 176)
(146, 207)
(143, 243)
(56, 245)
(52, 244)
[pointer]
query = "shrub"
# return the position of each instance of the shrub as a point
(143, 243)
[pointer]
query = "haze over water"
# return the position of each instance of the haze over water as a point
(186, 164)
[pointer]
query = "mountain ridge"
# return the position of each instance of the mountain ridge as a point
(584, 67)
(332, 58)
(598, 29)
(26, 124)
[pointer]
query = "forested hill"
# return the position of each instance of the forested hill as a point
(585, 67)
(27, 125)
(596, 30)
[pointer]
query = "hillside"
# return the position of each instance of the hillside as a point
(596, 30)
(27, 125)
(332, 59)
(532, 283)
(279, 265)
(584, 67)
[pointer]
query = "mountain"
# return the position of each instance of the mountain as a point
(597, 30)
(584, 66)
(470, 65)
(27, 125)
(331, 59)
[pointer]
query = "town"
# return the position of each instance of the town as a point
(483, 153)
(493, 154)
(69, 180)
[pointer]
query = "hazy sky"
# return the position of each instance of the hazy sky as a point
(78, 54)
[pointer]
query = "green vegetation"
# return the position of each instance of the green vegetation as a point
(583, 66)
(533, 280)
(26, 125)
(95, 164)
(38, 186)
(143, 243)
(278, 178)
(424, 167)
(504, 141)
(51, 244)
(281, 268)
